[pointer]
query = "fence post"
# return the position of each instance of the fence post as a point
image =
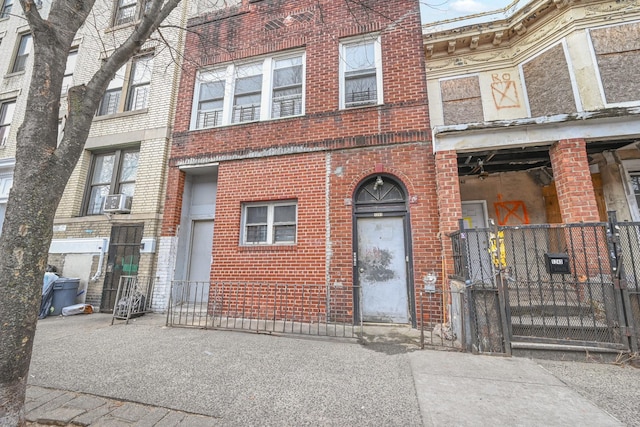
(503, 292)
(623, 301)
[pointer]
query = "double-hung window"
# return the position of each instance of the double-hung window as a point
(286, 99)
(134, 80)
(210, 100)
(270, 88)
(7, 5)
(67, 80)
(24, 49)
(247, 94)
(126, 12)
(360, 72)
(6, 115)
(139, 83)
(111, 98)
(111, 173)
(269, 223)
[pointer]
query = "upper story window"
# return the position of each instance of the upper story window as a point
(6, 8)
(67, 80)
(269, 223)
(126, 12)
(360, 72)
(6, 116)
(134, 80)
(111, 173)
(267, 89)
(24, 49)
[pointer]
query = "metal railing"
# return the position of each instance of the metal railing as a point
(133, 297)
(265, 308)
(553, 284)
(440, 318)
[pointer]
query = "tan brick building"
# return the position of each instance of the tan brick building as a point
(126, 153)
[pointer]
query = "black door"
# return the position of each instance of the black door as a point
(123, 260)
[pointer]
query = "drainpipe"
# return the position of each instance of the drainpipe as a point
(103, 249)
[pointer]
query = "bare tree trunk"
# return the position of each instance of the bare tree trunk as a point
(41, 173)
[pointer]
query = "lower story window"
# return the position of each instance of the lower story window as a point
(269, 223)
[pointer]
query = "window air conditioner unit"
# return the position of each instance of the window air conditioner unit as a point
(117, 203)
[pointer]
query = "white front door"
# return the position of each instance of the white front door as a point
(382, 269)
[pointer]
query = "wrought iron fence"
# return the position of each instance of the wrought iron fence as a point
(133, 297)
(545, 283)
(304, 309)
(628, 269)
(265, 308)
(440, 318)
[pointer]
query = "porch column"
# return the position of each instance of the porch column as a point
(449, 203)
(577, 202)
(576, 197)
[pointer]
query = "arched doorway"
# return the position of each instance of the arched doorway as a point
(382, 251)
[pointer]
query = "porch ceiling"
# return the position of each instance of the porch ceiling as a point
(486, 162)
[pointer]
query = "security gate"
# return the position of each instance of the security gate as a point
(122, 260)
(563, 285)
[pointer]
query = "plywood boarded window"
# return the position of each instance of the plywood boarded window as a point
(617, 52)
(461, 101)
(549, 84)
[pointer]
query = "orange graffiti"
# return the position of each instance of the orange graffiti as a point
(504, 91)
(515, 210)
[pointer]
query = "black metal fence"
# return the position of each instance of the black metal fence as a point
(264, 308)
(563, 285)
(318, 310)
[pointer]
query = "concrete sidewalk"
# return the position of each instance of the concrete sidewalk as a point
(139, 372)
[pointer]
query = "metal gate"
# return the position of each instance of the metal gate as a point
(123, 260)
(563, 285)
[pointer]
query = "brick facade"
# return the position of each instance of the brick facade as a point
(449, 203)
(573, 181)
(317, 159)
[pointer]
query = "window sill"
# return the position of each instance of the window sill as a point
(14, 74)
(121, 114)
(268, 248)
(359, 107)
(121, 26)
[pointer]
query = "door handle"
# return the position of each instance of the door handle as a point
(361, 270)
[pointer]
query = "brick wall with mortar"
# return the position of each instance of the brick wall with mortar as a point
(573, 181)
(317, 159)
(449, 202)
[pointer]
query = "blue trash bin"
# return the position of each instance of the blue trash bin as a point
(64, 294)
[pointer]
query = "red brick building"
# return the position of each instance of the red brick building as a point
(301, 153)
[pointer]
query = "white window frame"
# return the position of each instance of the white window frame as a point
(377, 50)
(21, 57)
(270, 224)
(7, 110)
(67, 79)
(228, 74)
